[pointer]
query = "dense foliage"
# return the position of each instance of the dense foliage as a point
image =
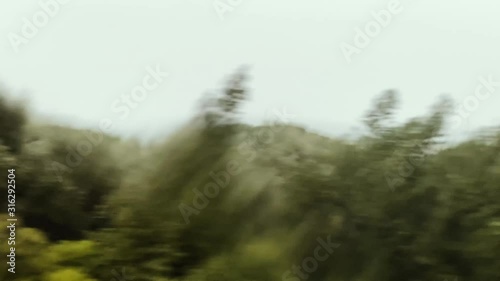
(220, 200)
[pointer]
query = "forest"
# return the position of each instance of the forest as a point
(221, 200)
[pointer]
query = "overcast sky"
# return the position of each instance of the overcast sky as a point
(90, 52)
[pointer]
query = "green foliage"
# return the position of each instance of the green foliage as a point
(67, 274)
(401, 204)
(12, 121)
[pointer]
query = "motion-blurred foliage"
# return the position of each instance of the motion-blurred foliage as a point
(402, 204)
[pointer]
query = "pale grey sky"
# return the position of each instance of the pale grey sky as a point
(90, 52)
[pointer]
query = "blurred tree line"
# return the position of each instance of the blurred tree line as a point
(401, 204)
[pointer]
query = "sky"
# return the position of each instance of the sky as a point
(75, 59)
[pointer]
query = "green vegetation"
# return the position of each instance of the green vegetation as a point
(224, 201)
